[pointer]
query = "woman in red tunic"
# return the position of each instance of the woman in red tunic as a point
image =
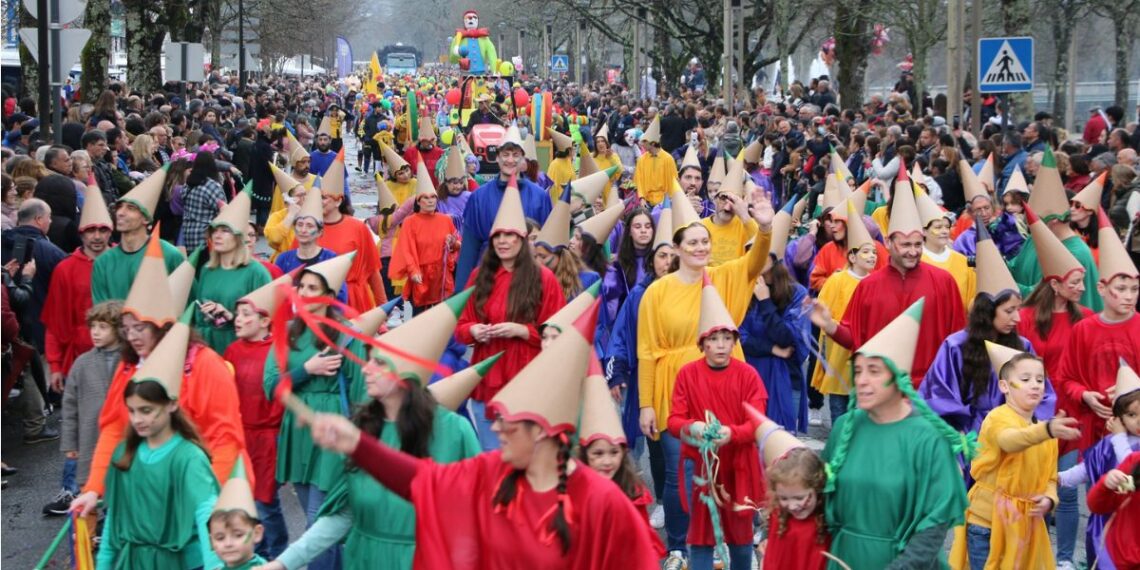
(513, 294)
(426, 253)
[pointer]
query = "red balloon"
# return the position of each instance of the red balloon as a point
(453, 96)
(522, 98)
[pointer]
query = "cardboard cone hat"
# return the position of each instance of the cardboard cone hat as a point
(548, 391)
(718, 171)
(1000, 355)
(268, 297)
(332, 183)
(371, 320)
(450, 392)
(334, 270)
(1017, 183)
(297, 154)
(839, 164)
(896, 341)
(510, 217)
(600, 419)
(456, 164)
(1057, 263)
(586, 163)
(835, 191)
(653, 131)
(602, 224)
(530, 152)
(904, 214)
(777, 442)
(857, 233)
(284, 180)
(425, 336)
(928, 210)
(993, 273)
(589, 187)
(384, 197)
(1048, 196)
(733, 182)
(424, 186)
(561, 142)
(181, 282)
(916, 174)
(798, 209)
(392, 158)
(971, 185)
(292, 145)
(514, 136)
(986, 175)
(167, 360)
(781, 230)
(603, 133)
(714, 315)
(690, 159)
(565, 317)
(1089, 196)
(555, 233)
(1114, 259)
(236, 493)
(325, 128)
(752, 153)
(663, 233)
(145, 194)
(150, 299)
(683, 213)
(1126, 381)
(235, 215)
(426, 129)
(859, 197)
(95, 213)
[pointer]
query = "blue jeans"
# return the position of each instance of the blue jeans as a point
(977, 545)
(312, 498)
(701, 557)
(276, 537)
(656, 467)
(676, 519)
(837, 405)
(488, 440)
(68, 480)
(1068, 516)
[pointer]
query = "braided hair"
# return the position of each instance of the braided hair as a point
(560, 522)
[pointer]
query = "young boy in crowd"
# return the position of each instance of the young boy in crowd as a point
(235, 530)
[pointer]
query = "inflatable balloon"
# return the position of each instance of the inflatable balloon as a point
(462, 51)
(506, 69)
(522, 98)
(453, 96)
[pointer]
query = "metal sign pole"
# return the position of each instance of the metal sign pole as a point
(58, 75)
(44, 66)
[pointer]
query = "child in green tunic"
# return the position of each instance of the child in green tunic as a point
(230, 274)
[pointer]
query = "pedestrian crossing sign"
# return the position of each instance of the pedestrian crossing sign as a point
(559, 63)
(1005, 65)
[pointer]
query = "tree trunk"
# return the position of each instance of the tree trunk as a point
(144, 47)
(30, 70)
(1017, 20)
(783, 27)
(1121, 26)
(96, 55)
(852, 49)
(1058, 87)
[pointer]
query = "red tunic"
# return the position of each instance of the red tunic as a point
(886, 293)
(1090, 364)
(699, 389)
(517, 352)
(413, 155)
(260, 418)
(829, 260)
(274, 271)
(798, 547)
(350, 234)
(1051, 350)
(65, 312)
(1120, 539)
(422, 250)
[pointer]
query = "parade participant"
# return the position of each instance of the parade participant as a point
(483, 207)
(605, 158)
(531, 170)
(631, 264)
(594, 238)
(235, 527)
(454, 192)
(656, 171)
(936, 250)
(692, 181)
(730, 225)
(400, 181)
(832, 256)
(831, 378)
(228, 276)
(279, 227)
(344, 234)
(426, 254)
(884, 294)
(425, 149)
(899, 516)
(561, 167)
(666, 340)
(1082, 212)
(706, 411)
(976, 183)
(513, 293)
(113, 272)
(1015, 484)
(323, 156)
(551, 251)
(531, 503)
(161, 471)
(299, 162)
(1113, 495)
(308, 227)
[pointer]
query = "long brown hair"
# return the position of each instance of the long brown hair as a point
(525, 294)
(1041, 299)
(781, 288)
(568, 272)
(154, 393)
(626, 477)
(297, 327)
(800, 466)
(414, 424)
(976, 367)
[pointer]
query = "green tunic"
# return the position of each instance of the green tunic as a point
(1027, 271)
(225, 286)
(249, 565)
(874, 512)
(157, 510)
(115, 269)
(299, 460)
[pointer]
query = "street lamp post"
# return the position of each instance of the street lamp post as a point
(241, 46)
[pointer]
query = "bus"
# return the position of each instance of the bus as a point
(399, 59)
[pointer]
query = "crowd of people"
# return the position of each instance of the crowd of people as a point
(469, 373)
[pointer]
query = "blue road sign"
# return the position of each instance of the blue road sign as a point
(560, 63)
(1005, 65)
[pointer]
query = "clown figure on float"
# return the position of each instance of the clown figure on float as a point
(472, 48)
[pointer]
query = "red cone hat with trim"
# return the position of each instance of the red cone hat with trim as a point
(510, 217)
(150, 299)
(1089, 197)
(775, 441)
(95, 213)
(1000, 355)
(555, 233)
(993, 273)
(1126, 381)
(602, 224)
(268, 297)
(1114, 259)
(425, 336)
(450, 392)
(896, 341)
(167, 360)
(332, 183)
(1048, 196)
(1057, 263)
(904, 214)
(600, 419)
(334, 270)
(714, 315)
(145, 194)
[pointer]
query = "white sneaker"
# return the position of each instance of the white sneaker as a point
(1066, 565)
(657, 517)
(815, 417)
(675, 561)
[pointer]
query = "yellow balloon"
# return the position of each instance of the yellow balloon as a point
(506, 68)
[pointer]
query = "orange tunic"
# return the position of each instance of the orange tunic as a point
(830, 260)
(423, 251)
(350, 234)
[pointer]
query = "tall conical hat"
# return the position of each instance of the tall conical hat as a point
(332, 183)
(690, 159)
(450, 392)
(565, 317)
(334, 270)
(986, 175)
(663, 234)
(1126, 381)
(145, 194)
(325, 128)
(993, 273)
(1048, 196)
(1000, 355)
(555, 233)
(1114, 259)
(292, 145)
(530, 152)
(548, 391)
(860, 195)
(928, 210)
(904, 214)
(837, 163)
(284, 180)
(510, 218)
(1057, 263)
(236, 493)
(683, 213)
(424, 187)
(384, 197)
(167, 360)
(1089, 196)
(297, 154)
(1017, 182)
(841, 211)
(653, 131)
(514, 137)
(733, 182)
(603, 223)
(600, 419)
(182, 282)
(896, 342)
(586, 163)
(798, 209)
(456, 164)
(753, 152)
(371, 320)
(835, 191)
(312, 205)
(268, 297)
(603, 132)
(714, 315)
(150, 299)
(589, 188)
(781, 230)
(971, 185)
(426, 129)
(463, 146)
(857, 233)
(561, 142)
(777, 442)
(916, 174)
(95, 213)
(718, 171)
(235, 215)
(425, 336)
(393, 158)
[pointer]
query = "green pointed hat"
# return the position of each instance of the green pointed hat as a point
(1048, 195)
(167, 360)
(145, 194)
(450, 392)
(236, 493)
(235, 215)
(425, 336)
(896, 342)
(565, 317)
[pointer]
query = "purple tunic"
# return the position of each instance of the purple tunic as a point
(1098, 460)
(454, 207)
(1005, 233)
(614, 292)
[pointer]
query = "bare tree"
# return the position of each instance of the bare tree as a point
(852, 47)
(1123, 14)
(1061, 17)
(923, 26)
(96, 55)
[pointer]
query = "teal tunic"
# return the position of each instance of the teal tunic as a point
(115, 270)
(157, 510)
(249, 565)
(225, 287)
(1027, 271)
(299, 460)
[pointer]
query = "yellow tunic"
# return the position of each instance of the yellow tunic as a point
(278, 203)
(882, 218)
(667, 323)
(835, 295)
(654, 176)
(402, 191)
(1016, 461)
(561, 171)
(958, 266)
(728, 240)
(606, 162)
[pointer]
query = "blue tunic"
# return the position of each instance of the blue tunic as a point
(765, 327)
(480, 216)
(620, 359)
(288, 261)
